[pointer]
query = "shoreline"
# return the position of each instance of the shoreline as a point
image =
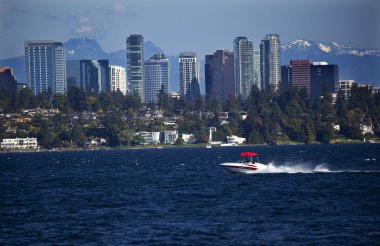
(375, 141)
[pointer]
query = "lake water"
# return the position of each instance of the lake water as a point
(182, 196)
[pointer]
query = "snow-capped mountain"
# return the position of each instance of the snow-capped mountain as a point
(361, 65)
(303, 46)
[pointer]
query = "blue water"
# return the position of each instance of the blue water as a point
(182, 196)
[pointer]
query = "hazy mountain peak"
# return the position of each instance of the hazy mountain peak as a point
(83, 48)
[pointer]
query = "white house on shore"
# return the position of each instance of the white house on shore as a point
(19, 143)
(150, 137)
(168, 137)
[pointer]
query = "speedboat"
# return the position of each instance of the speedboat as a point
(250, 164)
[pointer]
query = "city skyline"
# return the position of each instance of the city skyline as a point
(352, 23)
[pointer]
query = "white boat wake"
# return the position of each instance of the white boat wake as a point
(290, 167)
(294, 168)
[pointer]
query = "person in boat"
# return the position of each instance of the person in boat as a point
(248, 160)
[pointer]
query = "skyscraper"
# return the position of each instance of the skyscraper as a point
(323, 77)
(300, 74)
(135, 64)
(45, 66)
(219, 74)
(156, 75)
(118, 79)
(91, 75)
(243, 59)
(270, 56)
(256, 68)
(189, 75)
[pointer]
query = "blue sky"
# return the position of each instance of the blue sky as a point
(188, 25)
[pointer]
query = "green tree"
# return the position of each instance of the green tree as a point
(26, 98)
(126, 136)
(77, 134)
(59, 102)
(45, 137)
(163, 99)
(179, 141)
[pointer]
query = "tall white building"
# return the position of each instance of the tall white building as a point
(256, 68)
(45, 66)
(156, 75)
(243, 64)
(189, 75)
(118, 79)
(270, 61)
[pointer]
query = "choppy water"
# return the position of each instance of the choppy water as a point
(182, 196)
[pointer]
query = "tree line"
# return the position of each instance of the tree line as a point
(271, 116)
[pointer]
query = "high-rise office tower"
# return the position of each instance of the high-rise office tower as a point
(270, 61)
(135, 64)
(301, 74)
(189, 75)
(243, 59)
(219, 74)
(118, 80)
(256, 68)
(45, 66)
(156, 76)
(323, 77)
(91, 75)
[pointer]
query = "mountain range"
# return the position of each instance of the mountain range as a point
(361, 65)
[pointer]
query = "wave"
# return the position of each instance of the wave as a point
(291, 167)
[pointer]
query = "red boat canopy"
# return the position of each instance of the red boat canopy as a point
(248, 154)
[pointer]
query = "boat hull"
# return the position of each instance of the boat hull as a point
(244, 167)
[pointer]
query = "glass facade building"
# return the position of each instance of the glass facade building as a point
(323, 77)
(135, 64)
(91, 75)
(270, 61)
(156, 76)
(256, 68)
(243, 66)
(45, 66)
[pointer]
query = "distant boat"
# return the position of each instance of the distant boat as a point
(248, 165)
(208, 146)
